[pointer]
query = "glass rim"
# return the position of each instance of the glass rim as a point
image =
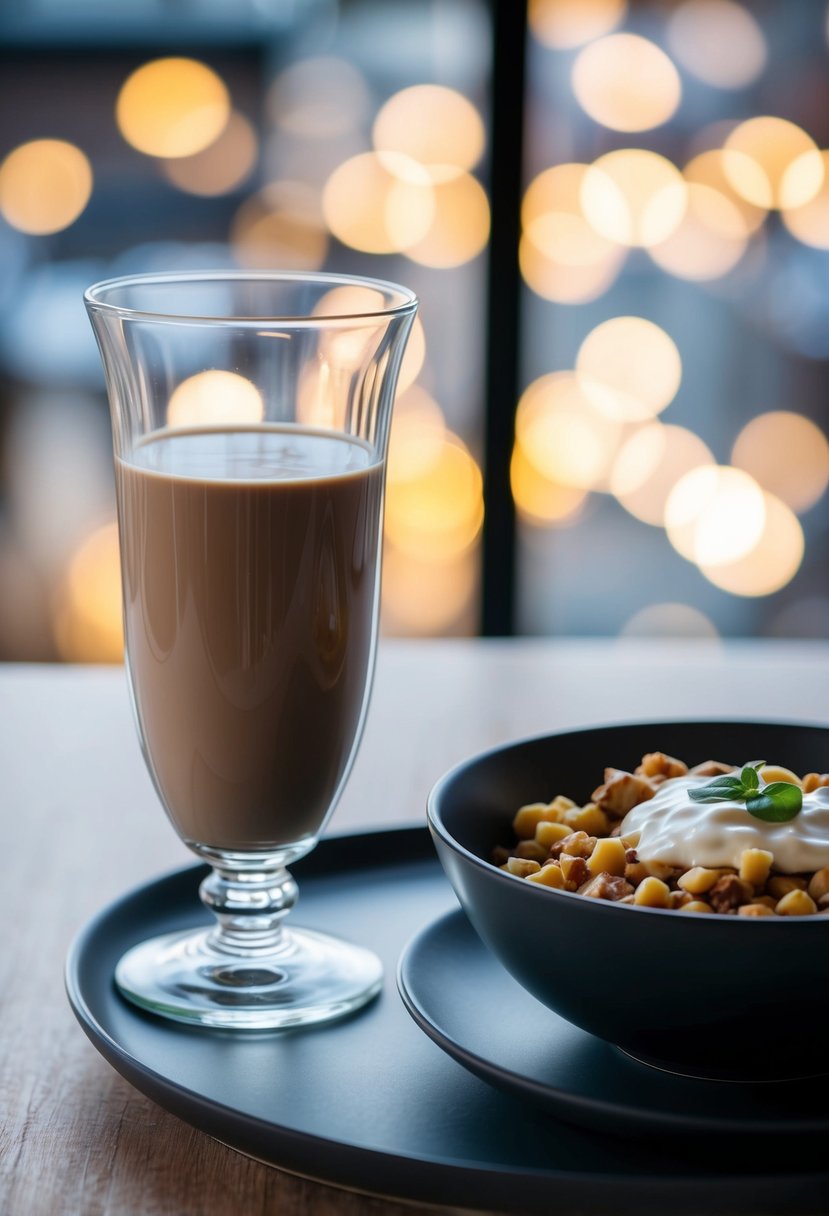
(95, 297)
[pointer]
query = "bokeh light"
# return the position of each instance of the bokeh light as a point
(280, 227)
(708, 169)
(710, 240)
(44, 186)
(715, 515)
(379, 202)
(718, 41)
(809, 222)
(318, 98)
(649, 464)
(669, 620)
(418, 434)
(222, 166)
(172, 107)
(87, 620)
(215, 398)
(629, 369)
(787, 454)
(561, 434)
(423, 598)
(434, 125)
(626, 83)
(772, 561)
(538, 499)
(459, 229)
(562, 257)
(790, 166)
(561, 24)
(349, 346)
(634, 196)
(437, 516)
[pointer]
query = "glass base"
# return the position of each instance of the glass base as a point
(309, 977)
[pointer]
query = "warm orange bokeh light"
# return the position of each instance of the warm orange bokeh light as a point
(434, 125)
(459, 229)
(634, 197)
(280, 227)
(538, 499)
(626, 83)
(561, 24)
(714, 516)
(719, 41)
(379, 202)
(418, 434)
(708, 169)
(772, 561)
(809, 222)
(789, 167)
(562, 257)
(787, 454)
(629, 369)
(44, 186)
(172, 107)
(87, 624)
(221, 167)
(710, 240)
(215, 398)
(438, 515)
(562, 435)
(424, 598)
(650, 463)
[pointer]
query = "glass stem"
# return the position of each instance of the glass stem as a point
(249, 906)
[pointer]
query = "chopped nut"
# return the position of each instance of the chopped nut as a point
(574, 869)
(781, 884)
(652, 893)
(520, 867)
(729, 892)
(621, 792)
(696, 905)
(608, 857)
(813, 781)
(499, 855)
(606, 886)
(755, 910)
(796, 903)
(659, 869)
(680, 898)
(755, 865)
(577, 844)
(657, 764)
(635, 872)
(710, 768)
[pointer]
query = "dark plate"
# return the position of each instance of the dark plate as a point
(370, 1103)
(511, 1040)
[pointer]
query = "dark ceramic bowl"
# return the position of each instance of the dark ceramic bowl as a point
(710, 996)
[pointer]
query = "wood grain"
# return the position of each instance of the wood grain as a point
(82, 824)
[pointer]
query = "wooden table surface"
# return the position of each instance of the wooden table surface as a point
(82, 825)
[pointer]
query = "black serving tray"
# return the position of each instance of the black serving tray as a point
(370, 1103)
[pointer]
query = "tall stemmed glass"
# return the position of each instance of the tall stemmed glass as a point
(251, 417)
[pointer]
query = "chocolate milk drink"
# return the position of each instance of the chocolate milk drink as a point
(250, 566)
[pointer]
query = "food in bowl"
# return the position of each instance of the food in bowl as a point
(751, 840)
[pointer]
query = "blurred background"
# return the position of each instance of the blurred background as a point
(667, 462)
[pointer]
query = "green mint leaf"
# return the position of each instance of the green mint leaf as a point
(750, 779)
(723, 789)
(776, 803)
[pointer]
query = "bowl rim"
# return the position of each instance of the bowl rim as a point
(439, 828)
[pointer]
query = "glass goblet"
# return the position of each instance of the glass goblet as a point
(251, 416)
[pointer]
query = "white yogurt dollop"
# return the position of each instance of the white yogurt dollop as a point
(680, 832)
